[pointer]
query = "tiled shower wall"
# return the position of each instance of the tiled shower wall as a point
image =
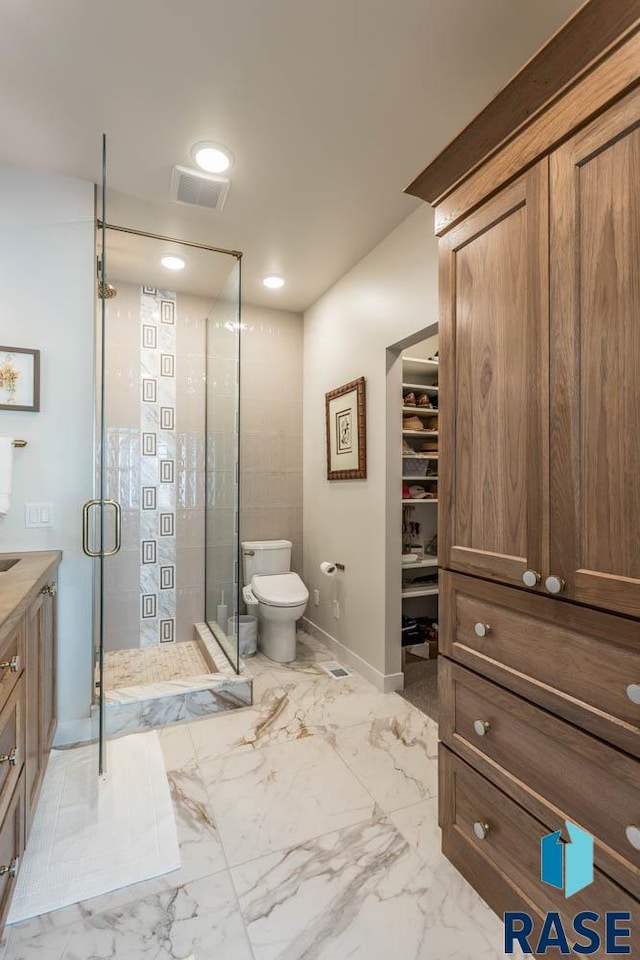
(271, 452)
(155, 388)
(271, 428)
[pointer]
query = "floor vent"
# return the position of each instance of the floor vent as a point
(198, 189)
(334, 669)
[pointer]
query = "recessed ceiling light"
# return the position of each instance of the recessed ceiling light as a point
(173, 263)
(212, 157)
(273, 281)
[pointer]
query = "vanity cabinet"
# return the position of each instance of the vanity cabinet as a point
(40, 691)
(28, 657)
(537, 207)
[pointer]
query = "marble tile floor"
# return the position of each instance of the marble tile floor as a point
(308, 831)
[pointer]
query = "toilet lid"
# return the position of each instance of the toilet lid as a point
(280, 589)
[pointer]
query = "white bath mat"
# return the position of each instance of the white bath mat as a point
(90, 836)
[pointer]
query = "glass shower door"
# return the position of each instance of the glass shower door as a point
(222, 546)
(164, 525)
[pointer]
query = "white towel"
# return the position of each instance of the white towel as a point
(6, 474)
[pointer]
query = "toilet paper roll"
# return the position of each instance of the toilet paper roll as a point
(329, 569)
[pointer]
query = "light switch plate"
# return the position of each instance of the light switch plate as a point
(38, 515)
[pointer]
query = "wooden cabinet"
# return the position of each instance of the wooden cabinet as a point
(40, 692)
(494, 329)
(539, 521)
(540, 391)
(595, 361)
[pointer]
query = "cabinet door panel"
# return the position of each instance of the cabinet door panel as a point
(33, 723)
(494, 334)
(595, 361)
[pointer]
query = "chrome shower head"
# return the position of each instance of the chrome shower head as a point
(106, 290)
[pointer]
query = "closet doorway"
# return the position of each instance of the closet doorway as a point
(412, 516)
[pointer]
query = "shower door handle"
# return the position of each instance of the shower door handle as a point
(86, 525)
(117, 527)
(86, 517)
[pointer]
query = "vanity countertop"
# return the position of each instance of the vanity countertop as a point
(20, 585)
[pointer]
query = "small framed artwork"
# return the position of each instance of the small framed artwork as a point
(19, 379)
(346, 432)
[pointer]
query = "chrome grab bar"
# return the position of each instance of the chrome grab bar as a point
(118, 527)
(86, 512)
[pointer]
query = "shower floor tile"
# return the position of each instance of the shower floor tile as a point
(172, 661)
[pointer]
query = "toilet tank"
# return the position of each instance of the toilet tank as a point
(265, 556)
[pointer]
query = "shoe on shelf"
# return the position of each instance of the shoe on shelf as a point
(424, 400)
(418, 493)
(412, 423)
(409, 399)
(430, 446)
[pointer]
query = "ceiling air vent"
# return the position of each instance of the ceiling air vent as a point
(199, 189)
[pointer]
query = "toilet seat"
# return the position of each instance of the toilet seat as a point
(279, 589)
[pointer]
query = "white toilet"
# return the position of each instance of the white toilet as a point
(281, 595)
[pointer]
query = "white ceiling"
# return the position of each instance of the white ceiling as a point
(330, 107)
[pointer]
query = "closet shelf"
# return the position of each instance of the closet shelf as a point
(422, 591)
(419, 433)
(419, 564)
(422, 479)
(415, 367)
(419, 456)
(430, 388)
(414, 501)
(421, 411)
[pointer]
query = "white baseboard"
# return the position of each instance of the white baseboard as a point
(386, 682)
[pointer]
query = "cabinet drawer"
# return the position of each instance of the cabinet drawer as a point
(504, 866)
(12, 658)
(544, 762)
(11, 846)
(573, 661)
(12, 744)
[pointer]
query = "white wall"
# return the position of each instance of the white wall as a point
(46, 303)
(389, 295)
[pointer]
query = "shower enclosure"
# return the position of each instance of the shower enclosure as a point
(163, 524)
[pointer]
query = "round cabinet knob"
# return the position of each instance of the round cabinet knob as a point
(554, 584)
(633, 836)
(482, 629)
(481, 829)
(531, 578)
(481, 727)
(633, 692)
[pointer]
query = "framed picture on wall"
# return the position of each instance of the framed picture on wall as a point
(346, 432)
(19, 379)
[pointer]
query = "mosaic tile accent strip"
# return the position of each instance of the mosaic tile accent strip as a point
(167, 311)
(149, 444)
(167, 471)
(167, 418)
(166, 525)
(149, 391)
(167, 365)
(149, 498)
(149, 336)
(157, 425)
